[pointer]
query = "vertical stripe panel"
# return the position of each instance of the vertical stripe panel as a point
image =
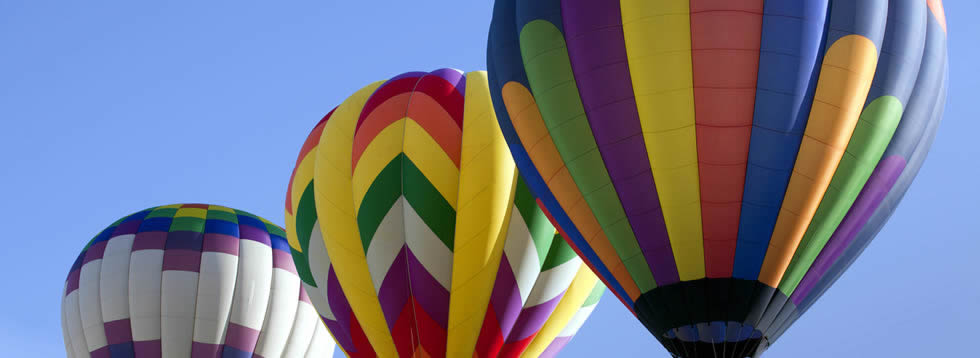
(725, 42)
(663, 85)
(845, 78)
(596, 47)
(486, 189)
(791, 50)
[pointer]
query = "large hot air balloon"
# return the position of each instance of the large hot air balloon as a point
(718, 163)
(406, 214)
(189, 280)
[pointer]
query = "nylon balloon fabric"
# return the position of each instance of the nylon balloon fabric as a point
(408, 220)
(189, 280)
(719, 164)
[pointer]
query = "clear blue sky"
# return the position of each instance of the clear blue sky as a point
(111, 107)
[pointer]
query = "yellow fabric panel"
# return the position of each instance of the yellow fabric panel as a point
(302, 178)
(432, 161)
(199, 213)
(663, 84)
(379, 152)
(845, 78)
(487, 183)
(335, 209)
(568, 306)
(535, 137)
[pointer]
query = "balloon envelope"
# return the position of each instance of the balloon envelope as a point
(719, 164)
(189, 280)
(406, 214)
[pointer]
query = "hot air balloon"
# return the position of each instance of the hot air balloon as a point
(406, 213)
(189, 280)
(717, 163)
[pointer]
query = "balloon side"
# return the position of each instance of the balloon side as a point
(189, 280)
(718, 164)
(414, 234)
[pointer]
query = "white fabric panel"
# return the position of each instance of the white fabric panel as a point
(577, 321)
(388, 241)
(317, 300)
(215, 289)
(114, 283)
(145, 275)
(522, 254)
(553, 282)
(254, 281)
(90, 305)
(303, 328)
(69, 350)
(73, 320)
(320, 268)
(426, 246)
(321, 345)
(283, 299)
(178, 301)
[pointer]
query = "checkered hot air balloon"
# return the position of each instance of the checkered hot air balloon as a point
(189, 280)
(718, 163)
(415, 236)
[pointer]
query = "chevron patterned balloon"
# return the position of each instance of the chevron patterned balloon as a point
(415, 236)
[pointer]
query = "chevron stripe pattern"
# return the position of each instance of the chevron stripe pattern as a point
(415, 235)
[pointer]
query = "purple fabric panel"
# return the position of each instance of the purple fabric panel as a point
(283, 260)
(249, 232)
(100, 353)
(147, 349)
(596, 47)
(506, 297)
(220, 243)
(94, 252)
(555, 347)
(118, 331)
(393, 293)
(337, 301)
(205, 350)
(184, 240)
(879, 184)
(429, 293)
(150, 240)
(241, 337)
(129, 227)
(532, 319)
(341, 333)
(182, 260)
(453, 76)
(73, 278)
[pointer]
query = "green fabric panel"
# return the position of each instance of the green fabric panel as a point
(595, 295)
(537, 222)
(161, 213)
(549, 73)
(559, 253)
(380, 196)
(305, 220)
(187, 224)
(222, 215)
(873, 132)
(434, 210)
(274, 229)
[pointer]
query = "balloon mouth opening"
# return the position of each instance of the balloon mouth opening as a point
(714, 332)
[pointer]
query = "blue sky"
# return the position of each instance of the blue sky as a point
(111, 107)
